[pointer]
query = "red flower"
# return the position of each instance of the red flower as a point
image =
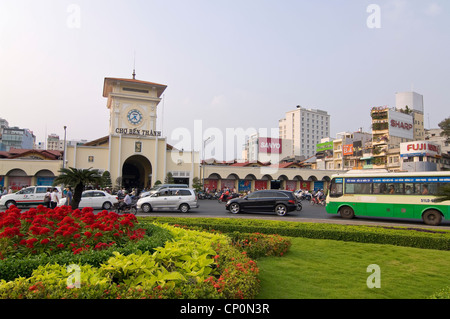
(76, 236)
(88, 234)
(45, 241)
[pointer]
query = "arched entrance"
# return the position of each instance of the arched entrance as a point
(136, 173)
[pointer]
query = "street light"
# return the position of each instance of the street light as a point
(203, 164)
(64, 155)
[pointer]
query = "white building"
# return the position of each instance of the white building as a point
(414, 102)
(266, 149)
(305, 128)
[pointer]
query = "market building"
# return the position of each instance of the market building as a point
(136, 154)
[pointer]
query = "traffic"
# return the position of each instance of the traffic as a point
(171, 200)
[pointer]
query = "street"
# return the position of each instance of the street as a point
(309, 213)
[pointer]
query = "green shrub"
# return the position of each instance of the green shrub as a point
(399, 236)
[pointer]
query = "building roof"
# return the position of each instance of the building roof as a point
(108, 82)
(24, 153)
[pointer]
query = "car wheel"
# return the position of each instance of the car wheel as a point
(146, 208)
(184, 208)
(106, 206)
(281, 210)
(9, 203)
(432, 217)
(347, 212)
(235, 208)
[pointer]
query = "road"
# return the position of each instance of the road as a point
(315, 214)
(211, 208)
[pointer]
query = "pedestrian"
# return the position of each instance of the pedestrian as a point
(54, 198)
(48, 197)
(69, 196)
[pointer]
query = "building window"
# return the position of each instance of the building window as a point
(90, 159)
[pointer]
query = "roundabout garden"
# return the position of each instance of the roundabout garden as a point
(75, 254)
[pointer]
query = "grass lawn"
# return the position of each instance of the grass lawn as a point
(328, 269)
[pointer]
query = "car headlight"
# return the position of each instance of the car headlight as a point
(229, 202)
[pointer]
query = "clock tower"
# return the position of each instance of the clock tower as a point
(133, 106)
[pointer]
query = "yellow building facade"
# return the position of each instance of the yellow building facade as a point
(134, 152)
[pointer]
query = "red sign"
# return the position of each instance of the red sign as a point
(347, 149)
(270, 145)
(405, 126)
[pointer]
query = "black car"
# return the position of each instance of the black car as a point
(278, 201)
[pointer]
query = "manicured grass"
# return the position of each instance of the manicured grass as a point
(328, 269)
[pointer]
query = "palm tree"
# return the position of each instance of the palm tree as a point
(77, 179)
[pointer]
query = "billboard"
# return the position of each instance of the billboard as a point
(347, 149)
(270, 145)
(324, 146)
(419, 148)
(401, 125)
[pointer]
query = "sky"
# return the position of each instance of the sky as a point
(229, 64)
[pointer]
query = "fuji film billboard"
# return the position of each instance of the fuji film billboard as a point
(270, 145)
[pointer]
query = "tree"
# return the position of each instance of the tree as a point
(445, 126)
(169, 178)
(77, 179)
(443, 193)
(196, 184)
(106, 179)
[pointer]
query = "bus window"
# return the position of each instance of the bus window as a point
(377, 188)
(398, 189)
(358, 188)
(336, 188)
(409, 188)
(428, 189)
(380, 188)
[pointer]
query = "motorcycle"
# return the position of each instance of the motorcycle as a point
(122, 208)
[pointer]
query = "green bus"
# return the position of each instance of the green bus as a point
(396, 195)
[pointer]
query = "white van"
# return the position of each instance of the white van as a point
(33, 195)
(156, 188)
(182, 199)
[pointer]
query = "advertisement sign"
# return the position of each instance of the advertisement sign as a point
(270, 145)
(419, 148)
(401, 125)
(324, 146)
(244, 185)
(347, 149)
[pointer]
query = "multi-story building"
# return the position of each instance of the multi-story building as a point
(434, 135)
(54, 143)
(305, 128)
(412, 103)
(266, 149)
(344, 152)
(14, 137)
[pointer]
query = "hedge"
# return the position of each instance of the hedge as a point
(398, 236)
(13, 267)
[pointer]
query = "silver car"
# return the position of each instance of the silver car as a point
(182, 199)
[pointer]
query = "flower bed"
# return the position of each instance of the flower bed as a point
(47, 231)
(118, 257)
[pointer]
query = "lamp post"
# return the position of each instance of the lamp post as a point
(64, 154)
(203, 164)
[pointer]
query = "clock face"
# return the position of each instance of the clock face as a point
(134, 117)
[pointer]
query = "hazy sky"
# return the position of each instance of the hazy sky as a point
(231, 64)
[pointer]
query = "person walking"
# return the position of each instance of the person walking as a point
(69, 196)
(54, 198)
(48, 197)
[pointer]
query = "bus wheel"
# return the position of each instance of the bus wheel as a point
(347, 212)
(432, 217)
